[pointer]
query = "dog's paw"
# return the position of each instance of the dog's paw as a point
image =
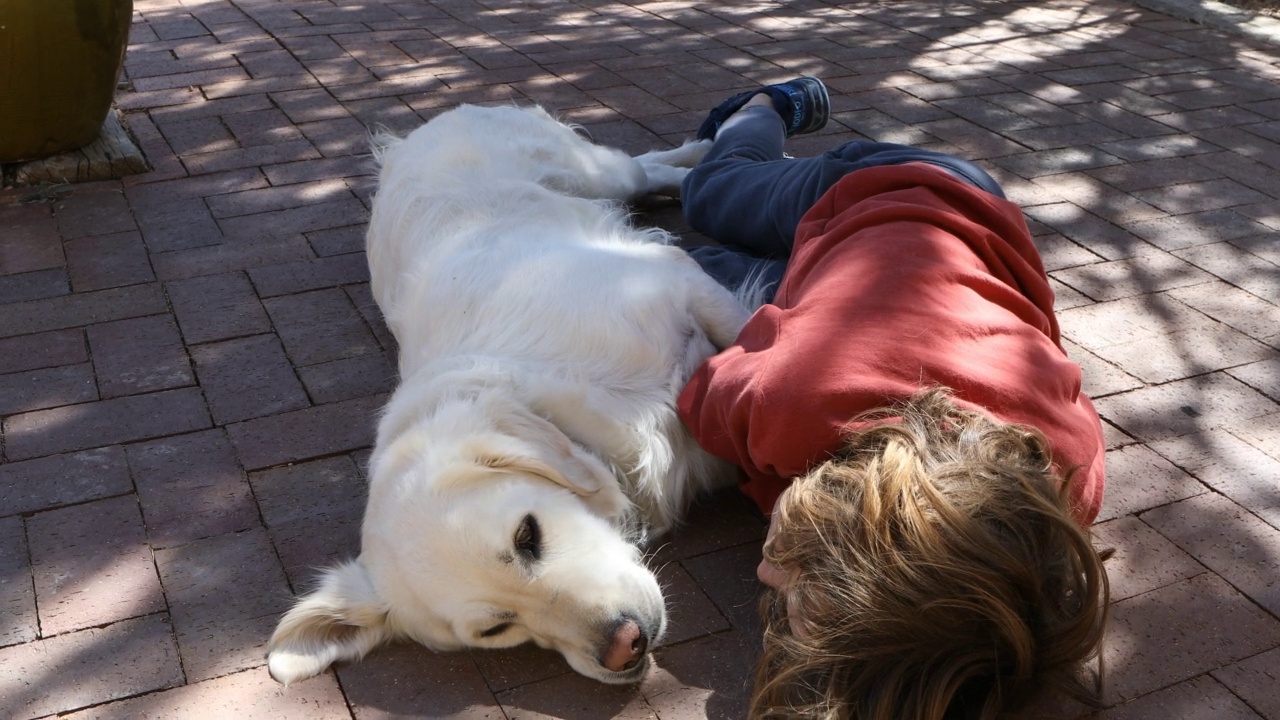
(663, 179)
(685, 156)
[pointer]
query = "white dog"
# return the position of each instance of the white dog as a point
(543, 341)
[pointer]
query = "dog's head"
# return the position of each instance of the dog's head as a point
(486, 527)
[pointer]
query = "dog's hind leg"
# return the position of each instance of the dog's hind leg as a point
(685, 156)
(718, 312)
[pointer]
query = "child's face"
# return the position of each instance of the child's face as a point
(780, 579)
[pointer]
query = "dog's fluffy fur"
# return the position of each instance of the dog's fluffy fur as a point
(533, 441)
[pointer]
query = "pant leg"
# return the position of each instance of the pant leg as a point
(734, 268)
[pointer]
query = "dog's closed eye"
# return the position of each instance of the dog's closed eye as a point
(495, 630)
(528, 539)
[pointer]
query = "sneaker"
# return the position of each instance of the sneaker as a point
(803, 104)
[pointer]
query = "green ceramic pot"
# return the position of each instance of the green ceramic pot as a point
(59, 64)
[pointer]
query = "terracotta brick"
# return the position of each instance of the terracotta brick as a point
(1097, 198)
(249, 695)
(215, 307)
(1200, 196)
(307, 275)
(139, 355)
(88, 667)
(82, 309)
(349, 378)
(1138, 479)
(247, 378)
(338, 210)
(1057, 252)
(196, 262)
(1231, 466)
(195, 134)
(105, 422)
(256, 156)
(49, 482)
(1095, 234)
(1227, 539)
(191, 487)
(305, 434)
(92, 565)
(225, 595)
(1164, 146)
(1100, 377)
(1183, 407)
(319, 326)
(1144, 560)
(309, 105)
(1254, 681)
(337, 241)
(46, 388)
(18, 620)
(408, 679)
(82, 214)
(1227, 627)
(1148, 174)
(1124, 321)
(1197, 699)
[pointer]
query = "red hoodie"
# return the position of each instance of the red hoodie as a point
(902, 277)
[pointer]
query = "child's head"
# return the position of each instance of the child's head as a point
(936, 571)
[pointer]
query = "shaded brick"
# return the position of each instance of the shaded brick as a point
(1152, 272)
(1121, 321)
(1164, 146)
(690, 613)
(18, 621)
(105, 422)
(215, 307)
(249, 695)
(1229, 541)
(249, 157)
(337, 241)
(1200, 196)
(277, 198)
(46, 388)
(1227, 628)
(309, 105)
(1243, 311)
(63, 480)
(195, 134)
(1197, 699)
(92, 565)
(108, 261)
(33, 286)
(348, 378)
(88, 667)
(1154, 173)
(225, 595)
(305, 434)
(1255, 681)
(196, 262)
(29, 243)
(1263, 376)
(1231, 466)
(178, 225)
(139, 355)
(319, 326)
(191, 487)
(262, 127)
(1143, 561)
(80, 309)
(1186, 406)
(711, 672)
(336, 211)
(1138, 479)
(104, 212)
(409, 679)
(247, 378)
(728, 577)
(513, 667)
(1094, 233)
(1238, 267)
(1185, 353)
(313, 512)
(1100, 377)
(298, 277)
(1201, 228)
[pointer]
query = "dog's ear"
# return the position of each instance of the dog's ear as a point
(341, 620)
(547, 452)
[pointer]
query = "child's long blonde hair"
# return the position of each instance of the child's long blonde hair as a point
(938, 573)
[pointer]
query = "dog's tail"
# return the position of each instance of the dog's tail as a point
(756, 289)
(382, 141)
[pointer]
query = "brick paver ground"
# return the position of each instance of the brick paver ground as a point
(191, 361)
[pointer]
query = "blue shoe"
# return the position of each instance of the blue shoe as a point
(803, 104)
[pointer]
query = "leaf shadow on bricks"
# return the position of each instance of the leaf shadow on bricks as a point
(1143, 150)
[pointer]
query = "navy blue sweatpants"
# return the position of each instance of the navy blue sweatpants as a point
(749, 198)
